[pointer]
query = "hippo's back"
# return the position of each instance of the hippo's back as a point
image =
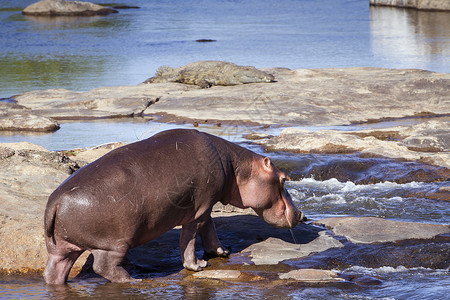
(133, 185)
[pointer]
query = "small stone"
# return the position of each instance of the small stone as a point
(6, 152)
(218, 274)
(273, 250)
(311, 275)
(205, 41)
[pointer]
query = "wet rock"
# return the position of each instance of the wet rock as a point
(443, 193)
(29, 173)
(363, 280)
(428, 253)
(417, 4)
(218, 274)
(428, 142)
(66, 8)
(273, 250)
(311, 275)
(408, 254)
(366, 230)
(15, 117)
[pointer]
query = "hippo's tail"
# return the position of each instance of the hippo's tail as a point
(49, 222)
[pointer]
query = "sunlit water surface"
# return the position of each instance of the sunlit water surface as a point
(127, 48)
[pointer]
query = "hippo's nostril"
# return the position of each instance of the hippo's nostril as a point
(302, 217)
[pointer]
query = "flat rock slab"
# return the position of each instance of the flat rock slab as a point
(316, 97)
(218, 274)
(274, 250)
(109, 102)
(368, 230)
(15, 117)
(298, 97)
(311, 275)
(66, 8)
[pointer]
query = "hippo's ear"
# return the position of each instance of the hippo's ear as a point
(267, 164)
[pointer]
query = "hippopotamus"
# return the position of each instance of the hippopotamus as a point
(139, 191)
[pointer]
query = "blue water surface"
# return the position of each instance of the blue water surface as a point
(127, 48)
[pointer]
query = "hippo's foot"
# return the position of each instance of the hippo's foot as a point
(59, 265)
(107, 264)
(219, 252)
(196, 266)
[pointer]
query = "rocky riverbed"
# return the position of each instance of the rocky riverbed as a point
(298, 98)
(307, 112)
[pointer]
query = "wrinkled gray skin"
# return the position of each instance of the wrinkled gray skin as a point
(138, 192)
(208, 73)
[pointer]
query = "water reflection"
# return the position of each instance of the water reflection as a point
(66, 52)
(35, 72)
(405, 37)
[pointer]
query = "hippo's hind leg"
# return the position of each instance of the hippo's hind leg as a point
(59, 265)
(188, 236)
(108, 265)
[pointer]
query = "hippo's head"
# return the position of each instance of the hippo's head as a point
(261, 187)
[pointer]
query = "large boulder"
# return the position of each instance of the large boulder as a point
(29, 173)
(66, 8)
(417, 4)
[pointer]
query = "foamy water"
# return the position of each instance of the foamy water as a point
(386, 199)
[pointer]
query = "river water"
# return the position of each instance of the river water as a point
(127, 48)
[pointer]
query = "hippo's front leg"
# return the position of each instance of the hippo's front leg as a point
(188, 236)
(210, 241)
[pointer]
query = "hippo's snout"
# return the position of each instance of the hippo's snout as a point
(299, 217)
